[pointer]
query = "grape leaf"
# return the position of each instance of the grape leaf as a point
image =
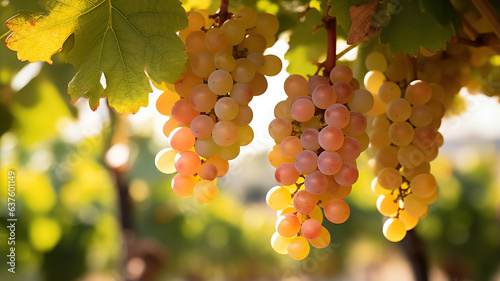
(443, 11)
(340, 9)
(410, 28)
(306, 47)
(121, 39)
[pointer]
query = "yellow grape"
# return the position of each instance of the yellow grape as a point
(290, 147)
(258, 84)
(164, 160)
(418, 92)
(276, 158)
(235, 31)
(423, 185)
(272, 65)
(421, 115)
(225, 133)
(224, 60)
(267, 24)
(298, 248)
(202, 64)
(206, 147)
(387, 205)
(389, 91)
(280, 243)
(195, 42)
(378, 107)
(394, 230)
(220, 82)
(377, 189)
(215, 40)
(295, 86)
(389, 178)
(244, 71)
(409, 221)
(323, 240)
(415, 206)
(247, 17)
(373, 80)
(253, 43)
(387, 157)
(230, 152)
(401, 133)
(245, 135)
(165, 102)
(410, 157)
(278, 198)
(398, 110)
(205, 191)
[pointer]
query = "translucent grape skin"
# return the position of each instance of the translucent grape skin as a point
(324, 96)
(337, 115)
(280, 128)
(329, 162)
(302, 110)
(331, 138)
(347, 175)
(311, 229)
(304, 202)
(337, 211)
(309, 139)
(306, 161)
(286, 174)
(316, 183)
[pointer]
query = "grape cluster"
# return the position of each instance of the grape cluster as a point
(404, 138)
(319, 132)
(209, 114)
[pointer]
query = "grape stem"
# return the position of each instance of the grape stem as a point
(222, 12)
(5, 34)
(331, 54)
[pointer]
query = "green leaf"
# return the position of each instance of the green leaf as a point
(443, 11)
(340, 9)
(306, 47)
(121, 39)
(410, 28)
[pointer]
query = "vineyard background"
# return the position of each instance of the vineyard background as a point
(70, 179)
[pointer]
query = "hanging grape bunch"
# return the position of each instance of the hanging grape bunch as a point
(404, 139)
(319, 132)
(209, 111)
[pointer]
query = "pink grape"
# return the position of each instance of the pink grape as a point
(306, 161)
(201, 126)
(337, 115)
(324, 96)
(315, 81)
(309, 139)
(181, 139)
(344, 92)
(183, 112)
(329, 162)
(311, 229)
(316, 183)
(290, 147)
(286, 174)
(304, 202)
(187, 163)
(331, 138)
(357, 124)
(288, 225)
(350, 150)
(302, 109)
(208, 171)
(347, 175)
(337, 211)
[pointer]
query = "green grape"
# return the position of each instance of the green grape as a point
(220, 82)
(376, 61)
(398, 110)
(215, 40)
(362, 101)
(244, 71)
(235, 31)
(272, 65)
(224, 60)
(202, 64)
(389, 91)
(267, 24)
